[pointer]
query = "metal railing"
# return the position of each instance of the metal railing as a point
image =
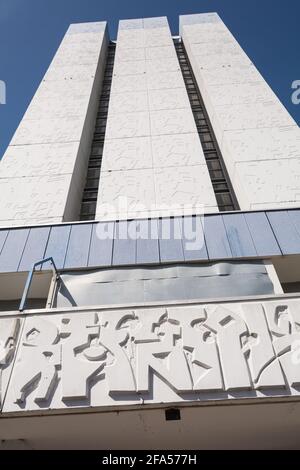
(30, 278)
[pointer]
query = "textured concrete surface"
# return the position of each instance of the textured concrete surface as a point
(151, 128)
(250, 122)
(120, 355)
(43, 170)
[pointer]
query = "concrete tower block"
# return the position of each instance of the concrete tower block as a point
(259, 140)
(152, 152)
(43, 170)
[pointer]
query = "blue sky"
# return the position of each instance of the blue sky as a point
(31, 30)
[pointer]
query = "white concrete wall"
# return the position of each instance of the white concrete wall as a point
(259, 140)
(44, 167)
(160, 354)
(152, 154)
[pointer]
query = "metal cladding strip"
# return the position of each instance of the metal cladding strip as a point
(13, 250)
(194, 246)
(238, 235)
(262, 234)
(285, 232)
(96, 244)
(216, 238)
(124, 250)
(35, 248)
(170, 239)
(101, 249)
(79, 246)
(57, 245)
(147, 247)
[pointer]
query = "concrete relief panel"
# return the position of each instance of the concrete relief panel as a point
(165, 80)
(131, 38)
(44, 131)
(56, 108)
(79, 28)
(173, 99)
(162, 65)
(127, 125)
(127, 154)
(129, 83)
(175, 121)
(199, 18)
(177, 150)
(156, 23)
(263, 114)
(264, 144)
(240, 93)
(158, 37)
(80, 73)
(226, 75)
(270, 180)
(9, 334)
(32, 198)
(72, 53)
(128, 54)
(137, 186)
(216, 61)
(217, 49)
(210, 34)
(193, 186)
(131, 24)
(157, 355)
(161, 52)
(131, 102)
(134, 67)
(38, 160)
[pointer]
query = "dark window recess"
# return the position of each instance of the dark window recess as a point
(90, 192)
(223, 189)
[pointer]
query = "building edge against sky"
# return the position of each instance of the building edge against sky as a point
(147, 139)
(120, 331)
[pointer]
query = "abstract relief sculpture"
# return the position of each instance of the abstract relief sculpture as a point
(105, 358)
(9, 331)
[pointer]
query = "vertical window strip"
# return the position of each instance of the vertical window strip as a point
(222, 186)
(90, 192)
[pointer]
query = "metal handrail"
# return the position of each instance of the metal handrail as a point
(30, 277)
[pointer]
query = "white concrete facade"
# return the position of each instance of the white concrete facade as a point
(152, 154)
(163, 354)
(259, 140)
(64, 371)
(44, 167)
(91, 376)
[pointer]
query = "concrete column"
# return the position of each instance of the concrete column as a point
(259, 140)
(44, 168)
(152, 153)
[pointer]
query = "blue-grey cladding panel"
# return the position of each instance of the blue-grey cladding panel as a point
(285, 232)
(3, 235)
(13, 249)
(216, 238)
(35, 247)
(238, 235)
(57, 245)
(295, 218)
(101, 244)
(194, 247)
(170, 239)
(147, 250)
(262, 234)
(124, 250)
(79, 246)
